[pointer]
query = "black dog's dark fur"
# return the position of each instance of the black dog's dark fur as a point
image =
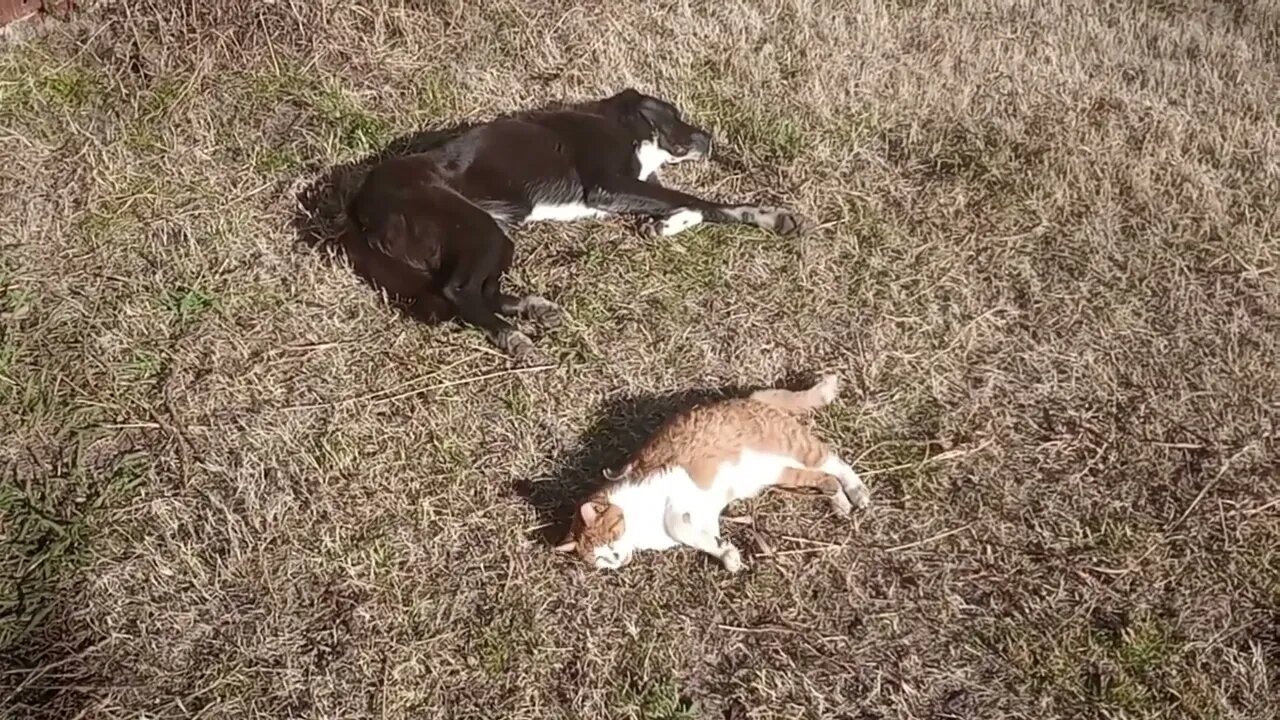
(436, 222)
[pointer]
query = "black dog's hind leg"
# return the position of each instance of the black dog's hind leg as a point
(472, 307)
(472, 287)
(679, 211)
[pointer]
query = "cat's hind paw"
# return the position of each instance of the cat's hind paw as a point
(732, 559)
(840, 504)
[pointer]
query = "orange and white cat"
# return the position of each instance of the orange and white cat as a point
(671, 492)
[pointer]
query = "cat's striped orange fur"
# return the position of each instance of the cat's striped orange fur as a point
(673, 489)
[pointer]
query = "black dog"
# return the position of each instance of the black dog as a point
(436, 222)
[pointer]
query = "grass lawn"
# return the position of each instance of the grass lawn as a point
(235, 483)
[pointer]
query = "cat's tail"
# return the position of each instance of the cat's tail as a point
(815, 397)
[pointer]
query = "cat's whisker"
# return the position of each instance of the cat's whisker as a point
(805, 551)
(807, 541)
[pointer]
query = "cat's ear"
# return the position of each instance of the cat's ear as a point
(589, 513)
(568, 546)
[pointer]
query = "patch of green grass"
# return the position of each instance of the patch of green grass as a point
(588, 309)
(143, 366)
(661, 283)
(144, 138)
(769, 131)
(188, 304)
(48, 529)
(338, 115)
(161, 98)
(506, 637)
(35, 91)
(494, 651)
(449, 455)
(37, 394)
(981, 153)
(106, 219)
(693, 259)
(8, 354)
(854, 128)
(655, 700)
(15, 302)
(437, 95)
(277, 159)
(29, 80)
(518, 401)
(1115, 538)
(70, 87)
(144, 130)
(283, 81)
(501, 645)
(1127, 665)
(355, 129)
(341, 452)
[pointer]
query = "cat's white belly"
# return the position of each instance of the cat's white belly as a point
(646, 505)
(750, 475)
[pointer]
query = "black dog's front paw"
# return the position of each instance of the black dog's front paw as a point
(650, 227)
(789, 224)
(544, 312)
(517, 345)
(785, 222)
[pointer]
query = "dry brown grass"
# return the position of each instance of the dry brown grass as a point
(236, 485)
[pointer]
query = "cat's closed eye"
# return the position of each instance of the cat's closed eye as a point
(608, 558)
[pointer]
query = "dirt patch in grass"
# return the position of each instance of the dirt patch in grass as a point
(233, 482)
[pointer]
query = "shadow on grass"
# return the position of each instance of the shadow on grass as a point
(320, 221)
(621, 426)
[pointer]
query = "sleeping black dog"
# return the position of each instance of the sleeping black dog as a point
(437, 222)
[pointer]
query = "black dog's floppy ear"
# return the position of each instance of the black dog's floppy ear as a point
(627, 106)
(627, 98)
(655, 111)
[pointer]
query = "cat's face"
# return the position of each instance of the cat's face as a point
(596, 535)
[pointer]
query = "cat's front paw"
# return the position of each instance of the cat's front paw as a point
(859, 495)
(732, 559)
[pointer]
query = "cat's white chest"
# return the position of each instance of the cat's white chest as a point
(644, 510)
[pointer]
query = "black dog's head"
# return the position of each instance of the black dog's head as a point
(658, 121)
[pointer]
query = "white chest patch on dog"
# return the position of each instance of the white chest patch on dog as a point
(651, 157)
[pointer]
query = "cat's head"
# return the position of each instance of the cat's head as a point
(596, 534)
